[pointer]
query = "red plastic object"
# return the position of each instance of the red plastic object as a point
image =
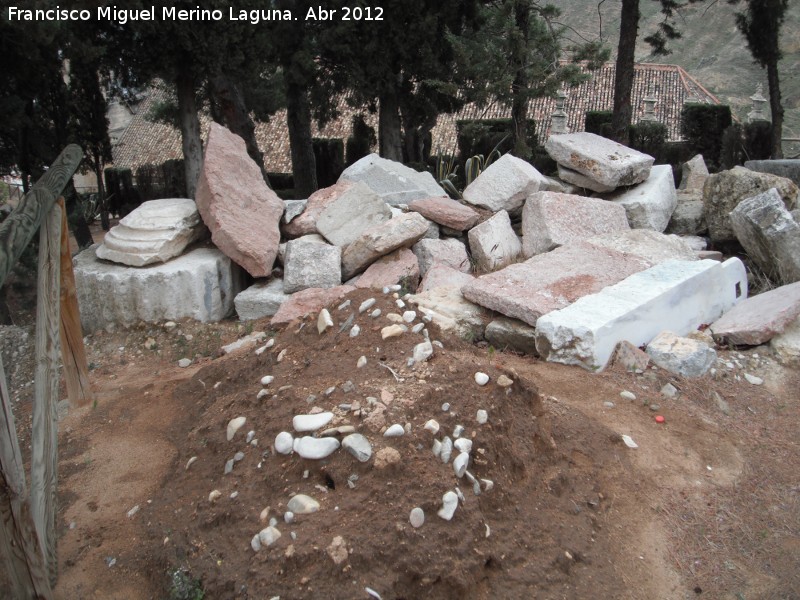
(660, 419)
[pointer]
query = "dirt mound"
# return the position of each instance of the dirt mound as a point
(537, 527)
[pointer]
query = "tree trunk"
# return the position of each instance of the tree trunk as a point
(298, 121)
(519, 62)
(230, 102)
(776, 108)
(101, 193)
(190, 131)
(390, 139)
(623, 80)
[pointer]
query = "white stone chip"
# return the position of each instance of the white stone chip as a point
(481, 417)
(460, 464)
(324, 320)
(315, 448)
(267, 379)
(481, 378)
(302, 504)
(629, 441)
(311, 422)
(269, 535)
(395, 430)
(463, 445)
(417, 517)
(234, 425)
(449, 505)
(432, 425)
(362, 361)
(366, 305)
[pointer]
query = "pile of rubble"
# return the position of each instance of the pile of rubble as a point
(564, 268)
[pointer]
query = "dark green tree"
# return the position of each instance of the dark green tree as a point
(760, 23)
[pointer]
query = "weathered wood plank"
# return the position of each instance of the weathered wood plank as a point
(44, 455)
(73, 353)
(19, 544)
(20, 226)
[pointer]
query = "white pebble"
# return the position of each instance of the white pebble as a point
(269, 536)
(315, 448)
(375, 313)
(262, 393)
(627, 395)
(311, 422)
(481, 378)
(432, 426)
(629, 441)
(234, 425)
(449, 505)
(267, 379)
(481, 417)
(399, 303)
(447, 450)
(409, 316)
(362, 361)
(752, 379)
(418, 327)
(445, 407)
(288, 517)
(255, 543)
(457, 431)
(460, 464)
(417, 517)
(284, 442)
(366, 305)
(355, 331)
(463, 445)
(437, 448)
(395, 430)
(324, 320)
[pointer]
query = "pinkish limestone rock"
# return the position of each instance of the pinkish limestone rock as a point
(392, 268)
(379, 240)
(758, 319)
(446, 211)
(309, 301)
(306, 222)
(236, 204)
(550, 219)
(552, 281)
(442, 275)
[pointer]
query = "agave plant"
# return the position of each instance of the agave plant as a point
(446, 173)
(478, 164)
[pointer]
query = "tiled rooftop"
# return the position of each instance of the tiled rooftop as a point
(144, 142)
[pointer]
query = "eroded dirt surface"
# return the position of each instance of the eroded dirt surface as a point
(707, 506)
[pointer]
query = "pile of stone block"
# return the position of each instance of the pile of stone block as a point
(570, 267)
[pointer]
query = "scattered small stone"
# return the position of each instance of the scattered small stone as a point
(722, 405)
(627, 395)
(288, 517)
(437, 448)
(263, 393)
(481, 378)
(608, 404)
(324, 321)
(669, 391)
(330, 390)
(460, 464)
(270, 343)
(281, 355)
(654, 407)
(432, 426)
(395, 430)
(337, 550)
(393, 331)
(463, 445)
(395, 318)
(445, 407)
(133, 511)
(449, 505)
(422, 352)
(184, 362)
(409, 316)
(228, 467)
(344, 305)
(488, 485)
(315, 448)
(348, 387)
(347, 323)
(355, 331)
(311, 422)
(255, 543)
(250, 436)
(417, 517)
(458, 430)
(214, 496)
(447, 450)
(482, 417)
(418, 327)
(366, 305)
(504, 381)
(190, 462)
(234, 425)
(372, 592)
(267, 379)
(269, 535)
(239, 456)
(628, 440)
(386, 457)
(362, 361)
(234, 495)
(399, 303)
(358, 445)
(437, 343)
(301, 504)
(752, 379)
(150, 343)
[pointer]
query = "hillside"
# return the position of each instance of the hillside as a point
(711, 49)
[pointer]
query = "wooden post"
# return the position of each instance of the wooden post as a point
(20, 226)
(44, 454)
(19, 543)
(73, 353)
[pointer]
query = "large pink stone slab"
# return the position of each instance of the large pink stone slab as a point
(550, 219)
(236, 204)
(309, 301)
(306, 222)
(446, 211)
(552, 281)
(392, 268)
(758, 319)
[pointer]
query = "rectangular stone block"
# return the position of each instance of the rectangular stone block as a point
(494, 244)
(262, 299)
(650, 204)
(350, 213)
(200, 284)
(505, 184)
(309, 264)
(758, 319)
(399, 232)
(675, 295)
(550, 219)
(393, 181)
(551, 281)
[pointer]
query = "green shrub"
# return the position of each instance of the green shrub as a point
(478, 137)
(649, 137)
(598, 122)
(703, 126)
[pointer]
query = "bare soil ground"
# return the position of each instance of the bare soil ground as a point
(707, 506)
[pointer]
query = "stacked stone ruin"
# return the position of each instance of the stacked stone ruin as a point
(567, 268)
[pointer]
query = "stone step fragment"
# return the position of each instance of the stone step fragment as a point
(650, 204)
(262, 299)
(680, 295)
(504, 184)
(758, 319)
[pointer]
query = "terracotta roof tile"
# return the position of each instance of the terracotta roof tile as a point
(144, 142)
